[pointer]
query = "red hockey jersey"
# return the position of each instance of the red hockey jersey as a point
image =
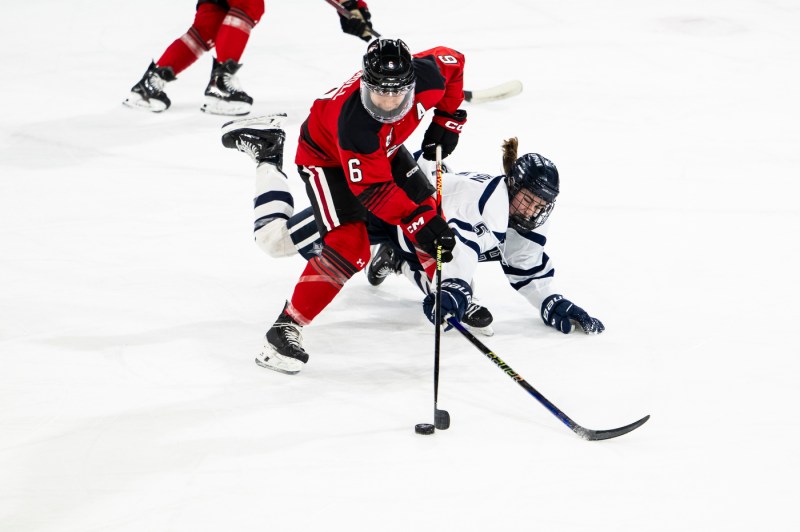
(339, 132)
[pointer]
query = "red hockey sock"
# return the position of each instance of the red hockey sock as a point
(182, 53)
(325, 275)
(199, 39)
(233, 35)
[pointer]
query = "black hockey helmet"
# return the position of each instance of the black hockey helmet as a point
(387, 80)
(539, 176)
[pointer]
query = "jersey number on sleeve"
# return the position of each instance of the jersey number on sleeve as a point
(355, 172)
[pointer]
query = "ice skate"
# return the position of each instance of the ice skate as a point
(224, 95)
(148, 94)
(283, 348)
(385, 261)
(478, 319)
(260, 137)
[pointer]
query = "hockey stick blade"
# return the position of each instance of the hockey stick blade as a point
(441, 419)
(594, 435)
(499, 92)
(586, 434)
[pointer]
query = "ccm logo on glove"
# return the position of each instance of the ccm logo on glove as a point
(429, 230)
(411, 229)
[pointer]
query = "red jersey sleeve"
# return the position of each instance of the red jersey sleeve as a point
(450, 64)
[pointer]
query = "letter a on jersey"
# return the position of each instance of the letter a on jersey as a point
(420, 111)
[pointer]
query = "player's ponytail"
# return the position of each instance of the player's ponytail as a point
(509, 154)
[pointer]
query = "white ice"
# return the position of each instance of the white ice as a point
(133, 300)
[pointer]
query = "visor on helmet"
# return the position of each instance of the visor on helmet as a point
(387, 106)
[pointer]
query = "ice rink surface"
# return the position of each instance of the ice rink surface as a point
(133, 300)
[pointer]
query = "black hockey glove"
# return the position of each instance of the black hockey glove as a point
(563, 314)
(456, 297)
(359, 23)
(444, 129)
(427, 229)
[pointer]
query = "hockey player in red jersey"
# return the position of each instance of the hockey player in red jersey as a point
(226, 25)
(344, 156)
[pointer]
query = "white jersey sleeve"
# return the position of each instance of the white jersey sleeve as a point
(527, 266)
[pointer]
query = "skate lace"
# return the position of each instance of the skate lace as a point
(247, 147)
(231, 83)
(156, 82)
(387, 265)
(384, 270)
(293, 336)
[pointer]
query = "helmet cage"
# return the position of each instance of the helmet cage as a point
(528, 223)
(539, 176)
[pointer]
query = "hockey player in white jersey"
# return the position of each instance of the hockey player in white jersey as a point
(496, 218)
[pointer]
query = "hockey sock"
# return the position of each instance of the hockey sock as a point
(233, 35)
(199, 39)
(325, 275)
(183, 52)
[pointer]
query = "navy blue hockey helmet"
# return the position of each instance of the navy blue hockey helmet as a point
(387, 80)
(539, 177)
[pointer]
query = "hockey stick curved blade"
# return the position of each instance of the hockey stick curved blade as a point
(586, 434)
(594, 435)
(498, 92)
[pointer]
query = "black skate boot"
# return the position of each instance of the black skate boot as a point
(478, 319)
(148, 93)
(261, 138)
(283, 348)
(384, 262)
(224, 95)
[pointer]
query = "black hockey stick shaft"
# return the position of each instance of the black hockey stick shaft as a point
(347, 14)
(441, 418)
(586, 434)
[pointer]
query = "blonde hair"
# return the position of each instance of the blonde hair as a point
(509, 154)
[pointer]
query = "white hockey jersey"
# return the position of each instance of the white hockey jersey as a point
(476, 208)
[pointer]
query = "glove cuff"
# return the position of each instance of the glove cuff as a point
(548, 305)
(451, 122)
(418, 214)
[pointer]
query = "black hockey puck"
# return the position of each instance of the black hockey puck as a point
(424, 428)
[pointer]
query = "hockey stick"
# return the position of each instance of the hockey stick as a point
(586, 434)
(347, 14)
(441, 418)
(498, 92)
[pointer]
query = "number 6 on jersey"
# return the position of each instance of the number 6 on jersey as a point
(355, 172)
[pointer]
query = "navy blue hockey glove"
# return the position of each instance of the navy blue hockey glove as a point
(359, 23)
(427, 229)
(563, 314)
(445, 130)
(456, 296)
